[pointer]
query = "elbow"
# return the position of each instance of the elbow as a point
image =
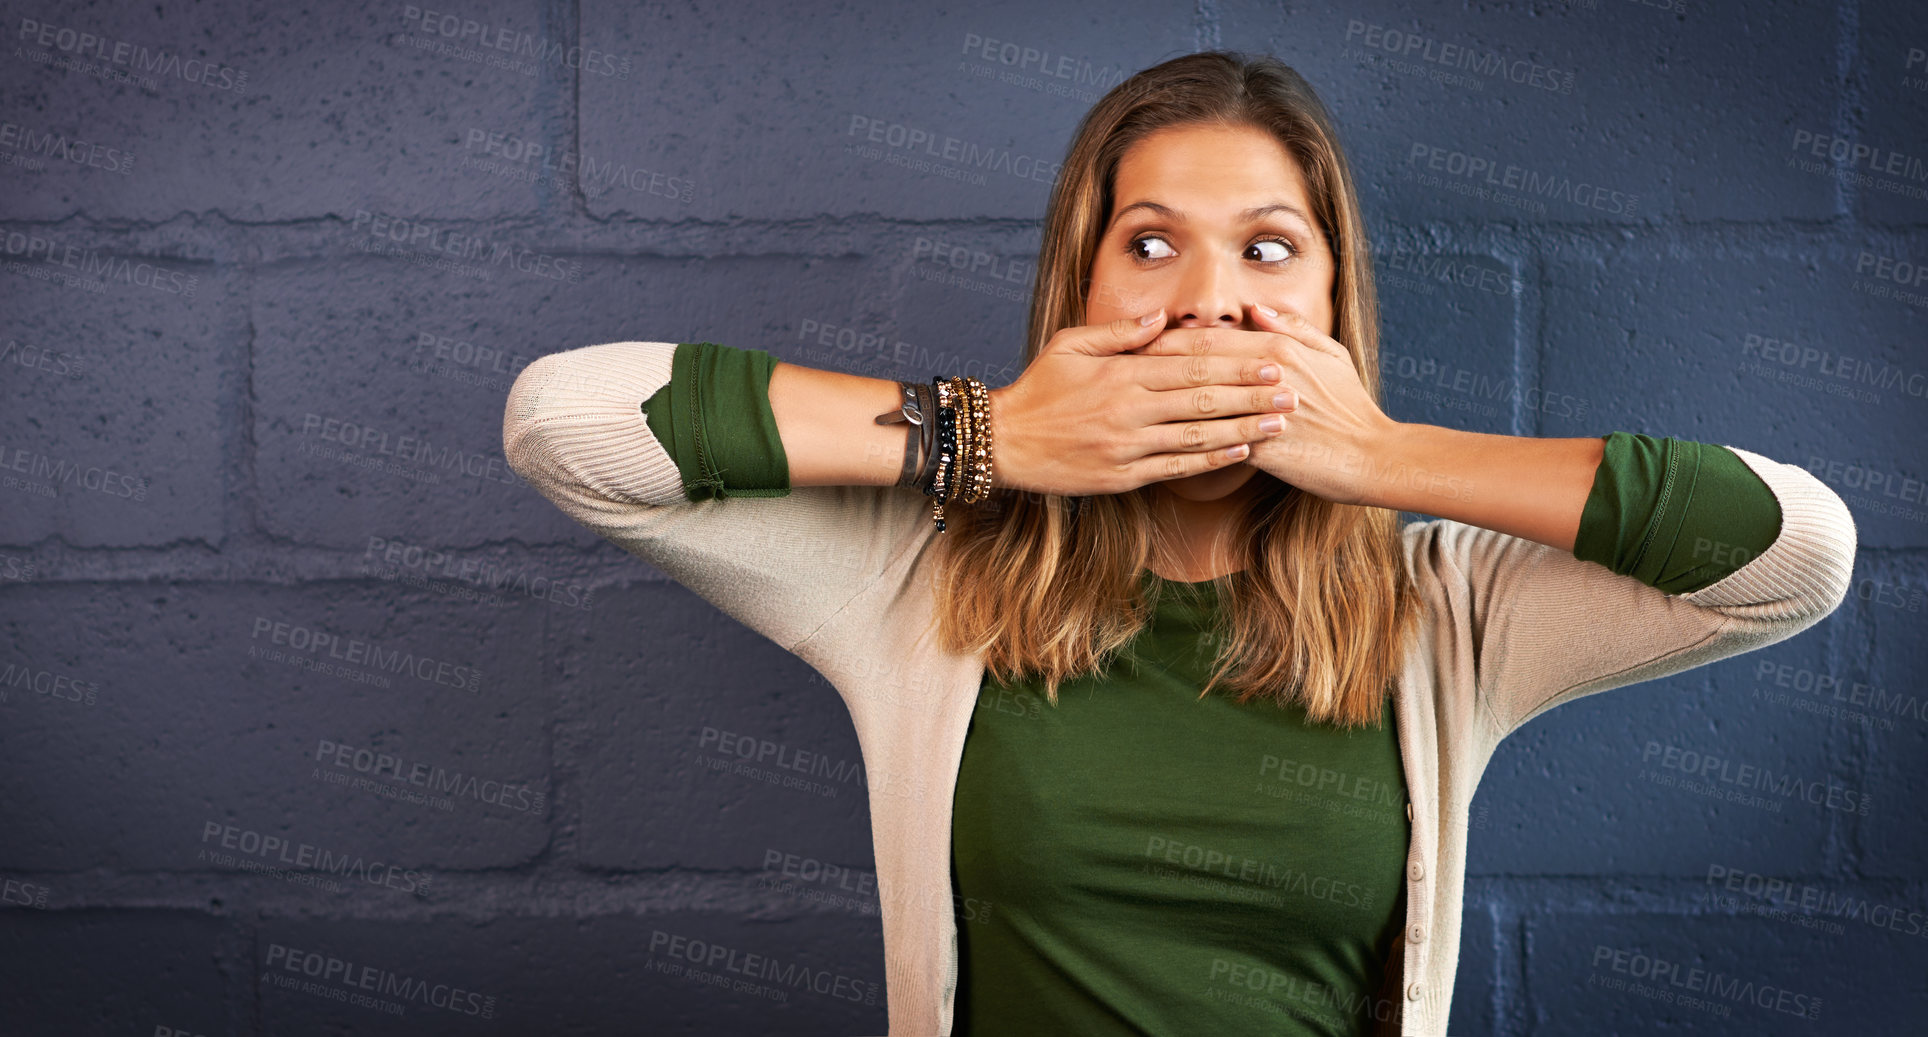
(1824, 542)
(520, 418)
(1804, 575)
(1835, 573)
(573, 426)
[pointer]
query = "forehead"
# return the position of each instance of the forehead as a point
(1209, 171)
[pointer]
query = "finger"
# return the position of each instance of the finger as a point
(1293, 324)
(1208, 402)
(1161, 467)
(1184, 372)
(1188, 437)
(1116, 336)
(1208, 341)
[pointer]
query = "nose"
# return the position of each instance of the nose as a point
(1206, 296)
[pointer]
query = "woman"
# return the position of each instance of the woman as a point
(1124, 720)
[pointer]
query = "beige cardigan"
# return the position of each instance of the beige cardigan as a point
(838, 577)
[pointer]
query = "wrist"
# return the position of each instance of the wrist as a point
(1008, 469)
(1385, 441)
(1402, 465)
(1383, 448)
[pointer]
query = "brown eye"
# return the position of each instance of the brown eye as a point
(1147, 239)
(1281, 250)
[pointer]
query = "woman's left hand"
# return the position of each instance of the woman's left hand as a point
(1334, 435)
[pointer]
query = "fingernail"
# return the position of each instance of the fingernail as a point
(1269, 373)
(1148, 319)
(1267, 310)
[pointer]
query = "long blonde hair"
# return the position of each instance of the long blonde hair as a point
(1046, 586)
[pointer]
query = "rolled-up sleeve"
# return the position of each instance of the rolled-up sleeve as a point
(713, 417)
(1675, 514)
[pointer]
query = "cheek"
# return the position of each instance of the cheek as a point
(1313, 300)
(1318, 305)
(1110, 294)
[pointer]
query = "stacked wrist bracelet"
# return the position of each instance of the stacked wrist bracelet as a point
(947, 446)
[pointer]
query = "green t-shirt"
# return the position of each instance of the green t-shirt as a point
(1674, 514)
(1149, 862)
(1143, 861)
(713, 418)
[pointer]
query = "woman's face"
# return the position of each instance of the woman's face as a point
(1177, 239)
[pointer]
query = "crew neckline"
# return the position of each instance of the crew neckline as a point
(1198, 584)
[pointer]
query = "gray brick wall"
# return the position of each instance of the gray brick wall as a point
(264, 293)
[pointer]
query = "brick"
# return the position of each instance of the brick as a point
(429, 366)
(1884, 681)
(1661, 778)
(751, 154)
(712, 749)
(575, 974)
(280, 118)
(1756, 975)
(186, 729)
(165, 968)
(1481, 981)
(1891, 75)
(119, 408)
(1663, 116)
(1467, 379)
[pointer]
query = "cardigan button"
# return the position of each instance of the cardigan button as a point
(1417, 933)
(1413, 991)
(1415, 871)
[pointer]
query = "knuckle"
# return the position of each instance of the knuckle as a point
(1197, 370)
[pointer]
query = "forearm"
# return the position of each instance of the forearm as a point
(782, 566)
(1520, 485)
(827, 421)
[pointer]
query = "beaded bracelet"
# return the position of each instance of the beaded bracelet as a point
(962, 471)
(946, 451)
(979, 452)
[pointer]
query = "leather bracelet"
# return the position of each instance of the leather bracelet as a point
(927, 405)
(911, 412)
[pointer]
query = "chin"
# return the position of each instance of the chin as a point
(1211, 486)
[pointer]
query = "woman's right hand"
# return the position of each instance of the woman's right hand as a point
(1085, 418)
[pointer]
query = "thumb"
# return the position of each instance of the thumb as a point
(1124, 334)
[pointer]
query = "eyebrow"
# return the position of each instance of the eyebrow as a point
(1255, 213)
